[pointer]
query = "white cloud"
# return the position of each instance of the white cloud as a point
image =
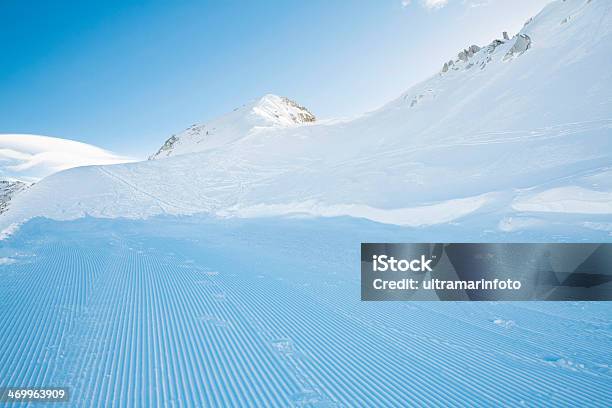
(427, 4)
(32, 157)
(434, 4)
(476, 3)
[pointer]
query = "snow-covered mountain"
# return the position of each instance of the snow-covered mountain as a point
(31, 157)
(270, 111)
(509, 136)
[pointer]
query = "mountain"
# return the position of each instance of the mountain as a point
(510, 136)
(270, 111)
(31, 157)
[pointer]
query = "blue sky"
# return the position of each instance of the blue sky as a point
(125, 75)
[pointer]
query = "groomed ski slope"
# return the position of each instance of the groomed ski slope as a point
(200, 312)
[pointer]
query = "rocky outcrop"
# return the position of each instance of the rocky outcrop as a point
(300, 114)
(8, 189)
(472, 55)
(281, 111)
(521, 44)
(166, 147)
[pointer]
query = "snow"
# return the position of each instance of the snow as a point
(414, 216)
(6, 261)
(8, 231)
(567, 199)
(196, 311)
(241, 287)
(31, 157)
(494, 143)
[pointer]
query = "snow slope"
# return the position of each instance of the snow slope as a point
(31, 157)
(196, 312)
(508, 133)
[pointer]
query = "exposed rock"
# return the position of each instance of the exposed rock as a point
(493, 45)
(8, 189)
(167, 147)
(521, 44)
(302, 115)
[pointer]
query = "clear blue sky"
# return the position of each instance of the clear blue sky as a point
(125, 75)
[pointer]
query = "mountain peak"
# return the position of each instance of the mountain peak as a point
(282, 111)
(269, 111)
